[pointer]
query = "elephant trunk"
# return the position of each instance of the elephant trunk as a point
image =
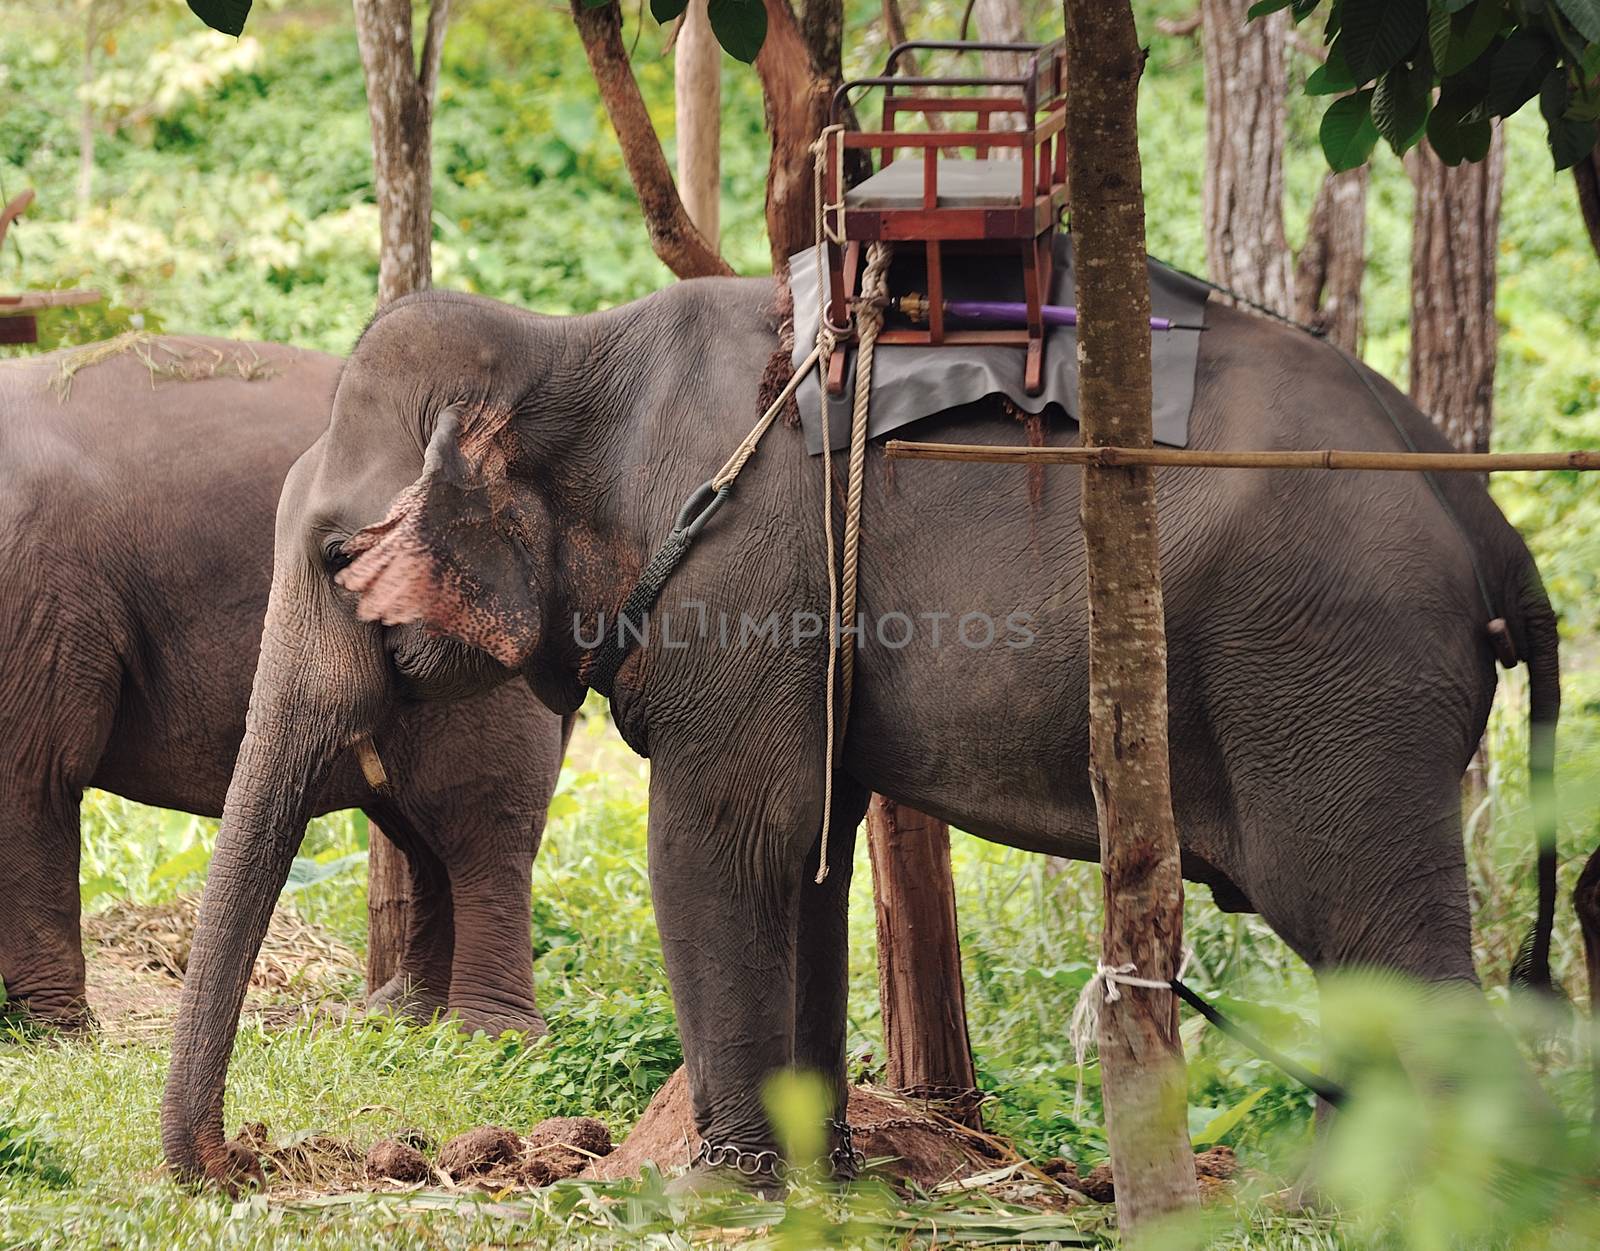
(304, 709)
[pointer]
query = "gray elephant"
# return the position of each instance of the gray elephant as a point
(504, 477)
(136, 506)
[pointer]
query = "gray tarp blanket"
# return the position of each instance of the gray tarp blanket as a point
(909, 382)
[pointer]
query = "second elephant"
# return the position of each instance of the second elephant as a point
(136, 506)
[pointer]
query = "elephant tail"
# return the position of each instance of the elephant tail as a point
(1541, 649)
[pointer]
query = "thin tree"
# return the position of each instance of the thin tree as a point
(1246, 93)
(1141, 1058)
(1333, 261)
(401, 86)
(1455, 238)
(697, 87)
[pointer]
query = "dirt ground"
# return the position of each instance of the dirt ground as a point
(137, 953)
(136, 958)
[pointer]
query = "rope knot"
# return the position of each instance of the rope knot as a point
(1103, 987)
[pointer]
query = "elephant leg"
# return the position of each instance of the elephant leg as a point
(41, 947)
(823, 957)
(420, 987)
(491, 978)
(730, 832)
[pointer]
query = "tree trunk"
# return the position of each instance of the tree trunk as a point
(1455, 237)
(1001, 21)
(400, 95)
(798, 78)
(1586, 173)
(926, 1048)
(1246, 85)
(697, 64)
(1141, 1058)
(1330, 267)
(388, 908)
(1455, 234)
(681, 247)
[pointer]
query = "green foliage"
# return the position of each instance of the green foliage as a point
(27, 1151)
(1487, 57)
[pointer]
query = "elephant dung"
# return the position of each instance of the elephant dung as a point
(393, 1160)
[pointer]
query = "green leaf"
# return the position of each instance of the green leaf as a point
(1444, 135)
(1585, 15)
(1332, 77)
(1400, 105)
(1378, 33)
(1347, 132)
(190, 860)
(1475, 137)
(665, 11)
(740, 26)
(224, 15)
(1554, 93)
(1224, 1122)
(1470, 36)
(306, 872)
(1440, 23)
(1519, 66)
(1571, 141)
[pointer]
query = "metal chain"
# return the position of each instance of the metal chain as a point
(744, 1161)
(844, 1158)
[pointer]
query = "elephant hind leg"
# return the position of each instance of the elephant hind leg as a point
(1586, 899)
(41, 947)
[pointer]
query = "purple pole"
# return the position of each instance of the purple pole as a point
(1054, 314)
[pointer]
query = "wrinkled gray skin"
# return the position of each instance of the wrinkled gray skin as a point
(1330, 671)
(135, 562)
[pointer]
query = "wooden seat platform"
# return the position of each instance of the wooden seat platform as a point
(985, 182)
(950, 195)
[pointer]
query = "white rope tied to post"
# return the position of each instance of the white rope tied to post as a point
(1103, 988)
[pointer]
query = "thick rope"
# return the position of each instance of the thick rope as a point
(741, 454)
(869, 321)
(823, 353)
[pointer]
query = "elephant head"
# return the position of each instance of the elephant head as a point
(327, 678)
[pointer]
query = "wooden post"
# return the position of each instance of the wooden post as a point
(927, 1051)
(388, 908)
(1142, 1075)
(697, 83)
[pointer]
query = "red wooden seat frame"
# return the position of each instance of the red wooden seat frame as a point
(1038, 96)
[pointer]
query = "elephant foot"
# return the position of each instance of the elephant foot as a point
(706, 1181)
(68, 1017)
(407, 997)
(497, 1019)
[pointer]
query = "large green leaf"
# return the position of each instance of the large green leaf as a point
(1378, 33)
(1332, 77)
(224, 15)
(665, 11)
(1571, 141)
(1471, 33)
(1519, 66)
(1585, 15)
(1227, 1120)
(1400, 104)
(1347, 133)
(740, 26)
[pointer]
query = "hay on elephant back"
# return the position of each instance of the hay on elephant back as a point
(296, 955)
(166, 358)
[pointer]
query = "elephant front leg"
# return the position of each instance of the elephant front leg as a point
(491, 978)
(823, 968)
(726, 872)
(41, 952)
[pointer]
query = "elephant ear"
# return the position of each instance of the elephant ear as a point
(450, 555)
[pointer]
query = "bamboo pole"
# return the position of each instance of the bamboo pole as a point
(1203, 458)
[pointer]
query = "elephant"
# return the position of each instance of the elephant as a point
(137, 497)
(505, 478)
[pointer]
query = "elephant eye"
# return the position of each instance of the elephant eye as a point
(334, 557)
